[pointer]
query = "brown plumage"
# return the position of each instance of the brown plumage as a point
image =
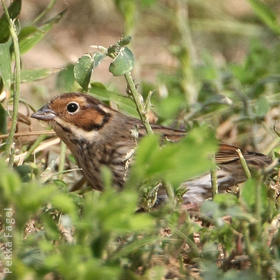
(99, 135)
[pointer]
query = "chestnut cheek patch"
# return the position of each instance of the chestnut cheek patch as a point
(92, 119)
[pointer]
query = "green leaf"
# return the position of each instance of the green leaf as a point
(226, 199)
(174, 162)
(5, 64)
(31, 196)
(65, 79)
(123, 63)
(248, 193)
(14, 10)
(29, 36)
(9, 182)
(266, 15)
(64, 203)
(31, 75)
(145, 150)
(124, 103)
(82, 71)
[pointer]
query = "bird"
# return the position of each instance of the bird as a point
(99, 135)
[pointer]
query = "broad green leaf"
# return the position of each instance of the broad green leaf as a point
(82, 71)
(32, 196)
(248, 194)
(9, 182)
(65, 79)
(266, 15)
(32, 35)
(5, 64)
(119, 217)
(123, 63)
(30, 75)
(174, 162)
(124, 103)
(226, 199)
(14, 10)
(145, 150)
(64, 203)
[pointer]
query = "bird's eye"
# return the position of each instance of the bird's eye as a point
(72, 107)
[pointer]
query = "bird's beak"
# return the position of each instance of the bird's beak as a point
(44, 114)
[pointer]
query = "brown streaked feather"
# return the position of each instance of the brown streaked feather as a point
(228, 154)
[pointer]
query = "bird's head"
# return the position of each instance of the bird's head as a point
(74, 113)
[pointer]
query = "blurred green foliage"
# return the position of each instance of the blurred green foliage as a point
(62, 235)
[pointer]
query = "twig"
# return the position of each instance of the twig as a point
(16, 88)
(33, 133)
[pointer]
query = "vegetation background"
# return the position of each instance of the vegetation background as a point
(211, 67)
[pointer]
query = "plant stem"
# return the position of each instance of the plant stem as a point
(138, 101)
(16, 87)
(61, 160)
(214, 183)
(188, 57)
(170, 192)
(258, 209)
(244, 164)
(45, 11)
(34, 146)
